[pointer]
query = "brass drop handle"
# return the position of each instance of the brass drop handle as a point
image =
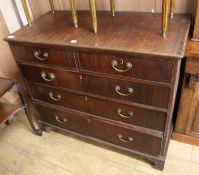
(129, 139)
(58, 120)
(119, 111)
(128, 66)
(51, 76)
(117, 90)
(53, 98)
(38, 54)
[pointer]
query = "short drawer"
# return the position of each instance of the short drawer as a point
(100, 129)
(42, 55)
(126, 114)
(146, 69)
(50, 76)
(147, 94)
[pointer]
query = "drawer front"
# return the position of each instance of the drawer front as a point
(126, 138)
(100, 129)
(126, 114)
(52, 77)
(126, 90)
(122, 90)
(160, 71)
(50, 56)
(78, 123)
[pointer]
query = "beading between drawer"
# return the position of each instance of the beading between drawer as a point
(126, 91)
(115, 111)
(112, 133)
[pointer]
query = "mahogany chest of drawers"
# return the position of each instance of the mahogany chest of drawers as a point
(117, 87)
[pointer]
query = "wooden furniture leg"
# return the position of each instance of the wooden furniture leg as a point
(157, 164)
(112, 2)
(93, 14)
(172, 8)
(24, 98)
(52, 6)
(165, 15)
(74, 13)
(25, 7)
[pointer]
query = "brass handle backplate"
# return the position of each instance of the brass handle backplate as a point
(114, 64)
(58, 120)
(53, 98)
(129, 139)
(48, 78)
(117, 90)
(38, 55)
(119, 111)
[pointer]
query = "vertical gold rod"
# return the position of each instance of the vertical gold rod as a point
(52, 6)
(74, 13)
(93, 14)
(112, 2)
(25, 7)
(165, 16)
(172, 8)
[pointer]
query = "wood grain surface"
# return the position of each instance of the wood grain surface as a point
(141, 34)
(65, 80)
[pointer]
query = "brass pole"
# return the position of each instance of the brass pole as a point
(112, 2)
(165, 16)
(52, 6)
(25, 7)
(93, 14)
(74, 13)
(172, 8)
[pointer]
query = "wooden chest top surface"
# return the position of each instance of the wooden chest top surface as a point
(127, 32)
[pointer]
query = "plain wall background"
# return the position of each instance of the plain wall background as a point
(182, 6)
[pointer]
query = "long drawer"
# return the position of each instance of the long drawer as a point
(115, 134)
(113, 110)
(42, 55)
(146, 69)
(118, 89)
